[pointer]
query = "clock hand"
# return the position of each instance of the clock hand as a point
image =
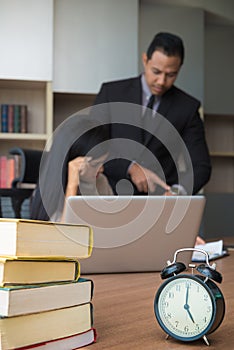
(187, 294)
(190, 315)
(186, 305)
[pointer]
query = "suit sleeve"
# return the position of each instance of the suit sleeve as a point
(194, 138)
(116, 168)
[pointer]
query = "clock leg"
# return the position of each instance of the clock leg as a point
(206, 340)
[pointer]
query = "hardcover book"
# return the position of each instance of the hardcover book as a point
(31, 271)
(34, 238)
(73, 342)
(19, 300)
(17, 118)
(10, 118)
(4, 118)
(3, 172)
(25, 330)
(23, 118)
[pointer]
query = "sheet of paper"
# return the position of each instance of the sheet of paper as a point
(214, 249)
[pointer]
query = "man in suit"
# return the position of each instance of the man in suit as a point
(149, 145)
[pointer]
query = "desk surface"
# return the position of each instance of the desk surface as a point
(124, 313)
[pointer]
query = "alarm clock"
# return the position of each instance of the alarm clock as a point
(189, 306)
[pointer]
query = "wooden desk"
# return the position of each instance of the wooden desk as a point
(124, 313)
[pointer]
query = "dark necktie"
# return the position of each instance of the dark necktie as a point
(150, 103)
(147, 114)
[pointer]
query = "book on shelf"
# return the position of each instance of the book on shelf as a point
(4, 118)
(10, 171)
(23, 119)
(75, 341)
(29, 329)
(17, 119)
(19, 300)
(7, 171)
(3, 172)
(31, 271)
(14, 118)
(35, 238)
(10, 117)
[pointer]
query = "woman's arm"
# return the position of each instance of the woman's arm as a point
(75, 167)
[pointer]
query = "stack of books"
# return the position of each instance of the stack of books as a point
(14, 118)
(44, 303)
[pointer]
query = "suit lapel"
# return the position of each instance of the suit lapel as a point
(134, 96)
(164, 107)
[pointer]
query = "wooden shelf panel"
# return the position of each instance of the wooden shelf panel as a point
(222, 154)
(222, 177)
(36, 95)
(66, 104)
(22, 136)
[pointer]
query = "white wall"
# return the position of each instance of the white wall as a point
(187, 23)
(219, 69)
(94, 41)
(223, 10)
(26, 36)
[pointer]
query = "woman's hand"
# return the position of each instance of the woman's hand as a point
(76, 167)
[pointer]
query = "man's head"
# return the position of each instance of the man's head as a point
(162, 62)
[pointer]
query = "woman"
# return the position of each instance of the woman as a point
(72, 166)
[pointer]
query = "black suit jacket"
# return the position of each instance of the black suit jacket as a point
(176, 129)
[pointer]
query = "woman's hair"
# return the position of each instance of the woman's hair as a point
(76, 137)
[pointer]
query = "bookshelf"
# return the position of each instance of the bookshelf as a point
(38, 97)
(220, 138)
(66, 104)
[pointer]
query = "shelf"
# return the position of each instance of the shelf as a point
(222, 154)
(23, 136)
(38, 97)
(220, 139)
(219, 116)
(66, 104)
(222, 176)
(21, 84)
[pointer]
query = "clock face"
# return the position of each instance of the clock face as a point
(184, 307)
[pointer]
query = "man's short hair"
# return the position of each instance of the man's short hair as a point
(169, 44)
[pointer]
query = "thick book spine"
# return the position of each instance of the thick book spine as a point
(17, 118)
(3, 172)
(24, 119)
(4, 118)
(10, 118)
(10, 171)
(34, 265)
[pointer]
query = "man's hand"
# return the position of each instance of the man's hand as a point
(144, 179)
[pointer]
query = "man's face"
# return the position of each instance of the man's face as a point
(161, 71)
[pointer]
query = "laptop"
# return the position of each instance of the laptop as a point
(136, 233)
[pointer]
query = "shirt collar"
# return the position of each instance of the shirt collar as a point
(146, 93)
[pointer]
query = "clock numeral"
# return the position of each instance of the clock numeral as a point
(178, 288)
(176, 323)
(197, 327)
(205, 297)
(165, 304)
(205, 319)
(186, 329)
(169, 315)
(171, 295)
(209, 309)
